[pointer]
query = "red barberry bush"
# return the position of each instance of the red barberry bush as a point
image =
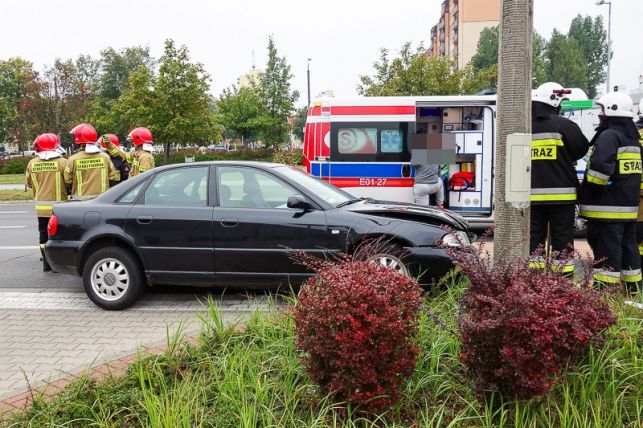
(520, 327)
(356, 324)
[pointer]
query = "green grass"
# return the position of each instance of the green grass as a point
(252, 377)
(12, 179)
(15, 195)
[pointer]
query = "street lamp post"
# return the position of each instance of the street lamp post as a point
(609, 38)
(308, 80)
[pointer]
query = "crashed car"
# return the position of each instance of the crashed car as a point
(235, 224)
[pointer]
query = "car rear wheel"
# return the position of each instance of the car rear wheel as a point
(113, 278)
(390, 257)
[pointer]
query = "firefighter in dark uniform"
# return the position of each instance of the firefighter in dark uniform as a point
(122, 168)
(557, 143)
(610, 194)
(639, 224)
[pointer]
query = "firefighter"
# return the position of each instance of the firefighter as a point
(121, 166)
(609, 194)
(557, 143)
(89, 171)
(639, 224)
(45, 175)
(141, 159)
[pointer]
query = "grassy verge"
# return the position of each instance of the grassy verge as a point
(251, 377)
(15, 195)
(12, 179)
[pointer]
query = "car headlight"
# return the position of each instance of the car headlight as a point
(456, 239)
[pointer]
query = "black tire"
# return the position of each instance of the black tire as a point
(113, 278)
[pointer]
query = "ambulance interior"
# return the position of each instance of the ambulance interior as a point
(467, 182)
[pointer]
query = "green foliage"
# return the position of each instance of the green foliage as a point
(11, 178)
(15, 195)
(240, 111)
(249, 375)
(414, 73)
(592, 40)
(245, 155)
(300, 122)
(486, 56)
(277, 97)
(14, 165)
(487, 50)
(19, 86)
(566, 61)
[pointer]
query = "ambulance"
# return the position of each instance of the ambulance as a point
(364, 146)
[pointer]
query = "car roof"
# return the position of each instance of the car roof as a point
(224, 163)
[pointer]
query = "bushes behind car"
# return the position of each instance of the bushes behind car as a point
(249, 155)
(14, 165)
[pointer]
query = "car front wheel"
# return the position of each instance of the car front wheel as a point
(390, 257)
(113, 278)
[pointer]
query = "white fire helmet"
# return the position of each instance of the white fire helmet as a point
(616, 104)
(551, 93)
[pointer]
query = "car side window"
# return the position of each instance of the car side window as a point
(248, 188)
(132, 194)
(183, 187)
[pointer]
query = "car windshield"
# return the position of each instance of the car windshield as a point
(330, 194)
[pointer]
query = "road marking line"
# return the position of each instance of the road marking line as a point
(12, 227)
(21, 247)
(14, 212)
(152, 303)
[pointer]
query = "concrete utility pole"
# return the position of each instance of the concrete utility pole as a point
(511, 236)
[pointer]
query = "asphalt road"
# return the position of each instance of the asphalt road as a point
(20, 265)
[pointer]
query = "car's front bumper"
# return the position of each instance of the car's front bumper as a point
(428, 264)
(63, 256)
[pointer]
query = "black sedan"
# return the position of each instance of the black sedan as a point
(234, 224)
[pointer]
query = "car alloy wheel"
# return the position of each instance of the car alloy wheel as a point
(109, 279)
(390, 262)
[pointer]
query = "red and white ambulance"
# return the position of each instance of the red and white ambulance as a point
(364, 145)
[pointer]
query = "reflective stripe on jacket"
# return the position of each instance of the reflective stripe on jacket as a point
(140, 160)
(46, 178)
(89, 174)
(612, 182)
(557, 143)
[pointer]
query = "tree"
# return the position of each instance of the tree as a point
(277, 96)
(182, 91)
(487, 50)
(19, 88)
(65, 97)
(566, 61)
(414, 73)
(240, 111)
(301, 115)
(514, 116)
(138, 103)
(539, 60)
(487, 54)
(116, 67)
(592, 41)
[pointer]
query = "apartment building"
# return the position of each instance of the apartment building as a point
(457, 32)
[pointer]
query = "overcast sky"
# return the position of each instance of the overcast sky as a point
(342, 37)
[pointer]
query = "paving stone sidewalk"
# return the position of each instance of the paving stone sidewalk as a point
(49, 335)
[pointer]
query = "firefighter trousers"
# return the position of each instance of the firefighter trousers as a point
(42, 239)
(616, 252)
(560, 219)
(639, 239)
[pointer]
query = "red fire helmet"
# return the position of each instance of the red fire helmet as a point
(113, 138)
(140, 136)
(84, 133)
(46, 142)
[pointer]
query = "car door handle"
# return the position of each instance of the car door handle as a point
(229, 221)
(144, 219)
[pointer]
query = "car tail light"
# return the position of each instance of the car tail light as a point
(52, 226)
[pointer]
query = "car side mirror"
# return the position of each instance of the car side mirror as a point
(298, 202)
